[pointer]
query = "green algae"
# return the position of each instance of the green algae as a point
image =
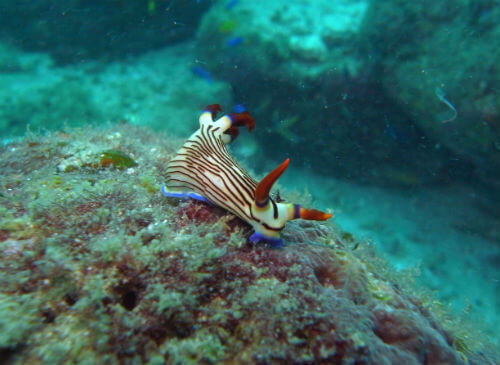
(166, 300)
(148, 183)
(204, 347)
(18, 320)
(116, 158)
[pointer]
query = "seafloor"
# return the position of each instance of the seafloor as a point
(97, 267)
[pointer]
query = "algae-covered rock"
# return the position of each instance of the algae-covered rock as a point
(96, 266)
(19, 319)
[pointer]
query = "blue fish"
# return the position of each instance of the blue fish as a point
(202, 72)
(239, 108)
(398, 134)
(231, 4)
(234, 41)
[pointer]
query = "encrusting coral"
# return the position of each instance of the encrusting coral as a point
(97, 267)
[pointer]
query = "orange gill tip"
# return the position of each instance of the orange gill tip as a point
(242, 119)
(213, 109)
(314, 215)
(265, 185)
(233, 132)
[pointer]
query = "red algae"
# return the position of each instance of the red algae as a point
(97, 266)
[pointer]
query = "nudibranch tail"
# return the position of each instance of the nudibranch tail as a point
(203, 169)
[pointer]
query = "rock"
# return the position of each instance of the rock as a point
(98, 267)
(436, 58)
(314, 92)
(288, 42)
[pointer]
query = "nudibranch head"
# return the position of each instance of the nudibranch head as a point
(203, 169)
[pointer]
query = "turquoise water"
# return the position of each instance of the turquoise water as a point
(389, 111)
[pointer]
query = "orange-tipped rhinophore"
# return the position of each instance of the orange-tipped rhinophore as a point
(265, 185)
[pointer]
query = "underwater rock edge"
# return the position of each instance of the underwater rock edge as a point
(97, 267)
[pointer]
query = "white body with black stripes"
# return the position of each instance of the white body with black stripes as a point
(204, 167)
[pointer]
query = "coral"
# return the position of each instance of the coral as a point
(97, 267)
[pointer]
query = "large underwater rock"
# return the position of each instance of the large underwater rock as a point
(97, 267)
(314, 90)
(288, 41)
(432, 53)
(75, 30)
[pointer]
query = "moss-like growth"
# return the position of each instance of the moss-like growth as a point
(18, 320)
(96, 266)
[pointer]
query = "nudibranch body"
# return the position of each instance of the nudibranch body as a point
(203, 169)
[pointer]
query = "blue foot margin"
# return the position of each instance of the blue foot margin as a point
(184, 195)
(257, 237)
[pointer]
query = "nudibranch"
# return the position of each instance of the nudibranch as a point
(203, 169)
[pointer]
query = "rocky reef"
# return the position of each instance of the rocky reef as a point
(97, 267)
(319, 87)
(442, 66)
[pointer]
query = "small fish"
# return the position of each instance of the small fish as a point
(234, 41)
(231, 4)
(239, 108)
(151, 6)
(391, 131)
(202, 72)
(396, 133)
(228, 26)
(441, 96)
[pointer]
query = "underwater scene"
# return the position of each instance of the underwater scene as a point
(250, 182)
